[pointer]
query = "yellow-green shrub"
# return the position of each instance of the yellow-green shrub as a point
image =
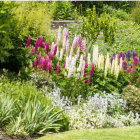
(34, 18)
(132, 96)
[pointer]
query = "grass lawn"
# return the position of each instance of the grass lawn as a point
(125, 133)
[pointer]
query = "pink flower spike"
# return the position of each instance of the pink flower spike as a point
(38, 52)
(92, 69)
(86, 81)
(86, 65)
(33, 50)
(57, 68)
(64, 65)
(84, 56)
(46, 47)
(41, 42)
(49, 66)
(31, 53)
(35, 64)
(85, 74)
(36, 44)
(51, 56)
(28, 42)
(55, 50)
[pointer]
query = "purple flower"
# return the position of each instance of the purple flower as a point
(80, 41)
(114, 55)
(130, 64)
(128, 36)
(41, 42)
(124, 65)
(128, 55)
(57, 68)
(134, 53)
(111, 60)
(123, 56)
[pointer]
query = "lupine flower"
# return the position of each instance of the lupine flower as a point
(28, 42)
(123, 56)
(36, 44)
(95, 54)
(88, 59)
(83, 46)
(71, 52)
(55, 50)
(119, 56)
(92, 69)
(85, 74)
(52, 47)
(59, 36)
(61, 54)
(57, 53)
(41, 42)
(67, 47)
(31, 53)
(121, 62)
(80, 41)
(33, 50)
(114, 55)
(86, 65)
(134, 53)
(111, 60)
(49, 66)
(124, 65)
(38, 52)
(86, 81)
(51, 56)
(46, 47)
(57, 68)
(74, 42)
(64, 43)
(130, 70)
(128, 55)
(130, 64)
(39, 57)
(136, 60)
(35, 64)
(84, 56)
(64, 65)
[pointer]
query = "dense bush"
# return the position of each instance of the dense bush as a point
(135, 14)
(132, 96)
(117, 13)
(62, 10)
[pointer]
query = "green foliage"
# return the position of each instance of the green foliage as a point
(117, 13)
(34, 18)
(132, 96)
(25, 111)
(135, 14)
(62, 10)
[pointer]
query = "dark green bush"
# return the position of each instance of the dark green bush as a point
(132, 96)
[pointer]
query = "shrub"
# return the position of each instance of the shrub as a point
(135, 14)
(132, 96)
(62, 10)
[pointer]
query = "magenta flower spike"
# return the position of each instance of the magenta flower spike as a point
(49, 66)
(85, 74)
(36, 45)
(92, 69)
(31, 53)
(35, 64)
(33, 49)
(55, 50)
(41, 42)
(86, 65)
(64, 65)
(86, 81)
(38, 52)
(39, 57)
(28, 42)
(51, 56)
(57, 68)
(46, 47)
